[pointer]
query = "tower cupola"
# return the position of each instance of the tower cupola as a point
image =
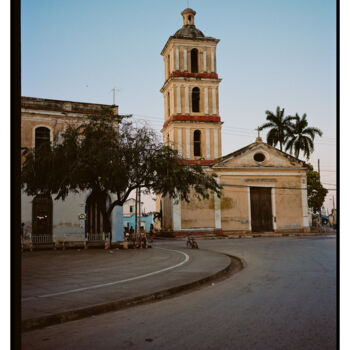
(188, 17)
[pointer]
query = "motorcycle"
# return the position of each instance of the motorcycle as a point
(191, 243)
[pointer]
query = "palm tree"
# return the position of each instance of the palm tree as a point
(302, 137)
(280, 127)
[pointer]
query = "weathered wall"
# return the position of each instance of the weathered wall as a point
(234, 204)
(167, 214)
(65, 214)
(287, 202)
(198, 213)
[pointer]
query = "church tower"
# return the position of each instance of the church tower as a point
(192, 122)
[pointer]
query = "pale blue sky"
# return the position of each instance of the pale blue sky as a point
(272, 52)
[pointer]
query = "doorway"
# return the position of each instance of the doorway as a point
(42, 215)
(96, 204)
(261, 209)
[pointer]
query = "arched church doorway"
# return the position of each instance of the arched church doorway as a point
(96, 204)
(42, 215)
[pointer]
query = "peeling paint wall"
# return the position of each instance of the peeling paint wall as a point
(198, 213)
(234, 205)
(235, 201)
(167, 214)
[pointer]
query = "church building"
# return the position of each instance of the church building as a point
(264, 189)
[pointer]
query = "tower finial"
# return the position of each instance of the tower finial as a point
(258, 139)
(188, 16)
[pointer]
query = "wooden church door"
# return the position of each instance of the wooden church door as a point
(261, 209)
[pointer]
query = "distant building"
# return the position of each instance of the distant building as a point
(264, 189)
(129, 213)
(78, 214)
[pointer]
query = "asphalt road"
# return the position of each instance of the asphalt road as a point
(285, 298)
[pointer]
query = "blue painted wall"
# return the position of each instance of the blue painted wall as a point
(145, 220)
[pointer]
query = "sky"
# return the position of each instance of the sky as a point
(271, 53)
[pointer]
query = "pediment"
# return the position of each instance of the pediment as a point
(259, 155)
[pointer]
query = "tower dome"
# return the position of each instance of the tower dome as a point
(188, 29)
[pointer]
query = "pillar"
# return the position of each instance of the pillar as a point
(206, 109)
(178, 99)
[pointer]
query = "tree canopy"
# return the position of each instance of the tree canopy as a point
(316, 193)
(292, 132)
(279, 125)
(108, 154)
(301, 137)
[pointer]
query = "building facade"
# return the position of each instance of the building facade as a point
(129, 213)
(264, 189)
(79, 214)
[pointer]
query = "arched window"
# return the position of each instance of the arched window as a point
(194, 61)
(195, 99)
(95, 205)
(189, 20)
(197, 143)
(42, 137)
(42, 215)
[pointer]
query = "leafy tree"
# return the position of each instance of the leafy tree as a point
(301, 138)
(280, 127)
(108, 155)
(316, 193)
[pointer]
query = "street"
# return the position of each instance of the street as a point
(284, 298)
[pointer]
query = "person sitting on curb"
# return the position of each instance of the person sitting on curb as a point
(151, 233)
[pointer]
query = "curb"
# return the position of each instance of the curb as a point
(234, 266)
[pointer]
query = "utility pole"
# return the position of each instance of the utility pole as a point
(139, 200)
(319, 176)
(136, 210)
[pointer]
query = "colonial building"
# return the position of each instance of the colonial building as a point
(79, 214)
(129, 213)
(264, 189)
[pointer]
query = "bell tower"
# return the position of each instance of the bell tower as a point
(192, 121)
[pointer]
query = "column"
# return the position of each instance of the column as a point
(185, 59)
(172, 138)
(216, 144)
(206, 110)
(207, 142)
(205, 60)
(171, 101)
(188, 143)
(171, 62)
(304, 201)
(213, 90)
(178, 99)
(212, 60)
(176, 214)
(217, 207)
(273, 199)
(177, 58)
(179, 141)
(187, 102)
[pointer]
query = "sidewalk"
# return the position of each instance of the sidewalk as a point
(59, 286)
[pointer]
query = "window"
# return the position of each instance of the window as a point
(189, 19)
(197, 143)
(42, 137)
(131, 209)
(194, 61)
(259, 157)
(195, 99)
